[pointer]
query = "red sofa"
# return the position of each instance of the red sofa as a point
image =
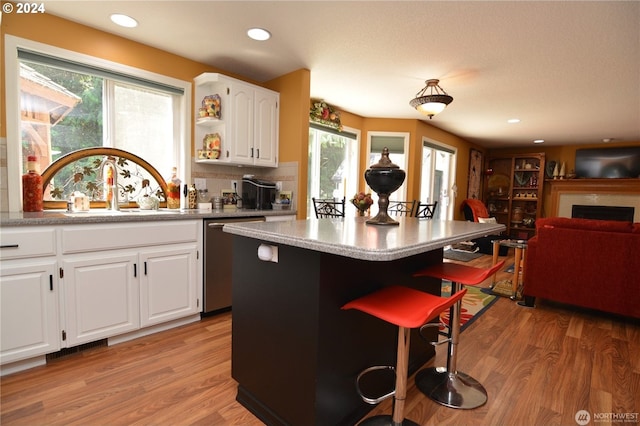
(594, 264)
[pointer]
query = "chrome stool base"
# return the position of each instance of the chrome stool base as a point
(457, 390)
(385, 420)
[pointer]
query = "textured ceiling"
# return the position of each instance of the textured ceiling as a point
(569, 70)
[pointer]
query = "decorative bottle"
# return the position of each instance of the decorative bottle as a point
(192, 197)
(32, 190)
(173, 190)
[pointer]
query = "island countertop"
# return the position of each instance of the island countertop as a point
(352, 237)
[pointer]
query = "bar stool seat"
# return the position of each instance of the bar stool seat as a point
(406, 308)
(448, 386)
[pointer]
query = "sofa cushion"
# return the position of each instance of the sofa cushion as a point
(585, 224)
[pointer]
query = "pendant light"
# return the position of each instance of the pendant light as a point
(432, 103)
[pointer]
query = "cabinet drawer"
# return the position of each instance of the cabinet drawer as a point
(27, 242)
(83, 238)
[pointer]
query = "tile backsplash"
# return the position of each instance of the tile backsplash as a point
(219, 178)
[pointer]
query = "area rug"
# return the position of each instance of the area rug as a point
(474, 304)
(504, 288)
(461, 256)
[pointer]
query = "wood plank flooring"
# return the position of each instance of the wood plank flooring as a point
(539, 366)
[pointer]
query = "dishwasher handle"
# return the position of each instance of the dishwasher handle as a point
(219, 225)
(215, 225)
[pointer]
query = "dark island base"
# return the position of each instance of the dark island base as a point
(295, 353)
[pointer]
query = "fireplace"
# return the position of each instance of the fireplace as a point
(624, 214)
(566, 193)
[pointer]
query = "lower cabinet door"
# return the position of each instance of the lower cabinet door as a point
(168, 283)
(101, 296)
(29, 310)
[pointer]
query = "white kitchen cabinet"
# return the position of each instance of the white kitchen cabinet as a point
(101, 296)
(29, 309)
(249, 122)
(29, 291)
(73, 284)
(266, 127)
(129, 276)
(167, 284)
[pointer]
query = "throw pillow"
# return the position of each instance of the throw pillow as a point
(487, 220)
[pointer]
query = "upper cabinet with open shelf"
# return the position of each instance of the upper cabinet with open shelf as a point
(236, 123)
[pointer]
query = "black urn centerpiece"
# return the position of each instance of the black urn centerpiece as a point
(384, 178)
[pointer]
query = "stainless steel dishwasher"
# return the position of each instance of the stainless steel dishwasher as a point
(218, 261)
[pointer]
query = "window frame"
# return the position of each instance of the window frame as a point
(352, 184)
(182, 144)
(401, 193)
(446, 211)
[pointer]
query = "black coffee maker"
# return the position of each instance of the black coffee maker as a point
(258, 194)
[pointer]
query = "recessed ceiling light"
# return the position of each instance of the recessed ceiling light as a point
(513, 120)
(259, 34)
(124, 20)
(538, 141)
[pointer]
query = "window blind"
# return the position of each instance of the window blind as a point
(395, 144)
(332, 131)
(66, 64)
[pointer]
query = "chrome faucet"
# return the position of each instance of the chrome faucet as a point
(110, 178)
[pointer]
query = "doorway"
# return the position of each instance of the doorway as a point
(437, 177)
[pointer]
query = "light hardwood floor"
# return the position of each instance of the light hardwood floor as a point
(540, 366)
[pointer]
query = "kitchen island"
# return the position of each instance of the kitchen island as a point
(295, 353)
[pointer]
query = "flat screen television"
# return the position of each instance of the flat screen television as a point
(623, 162)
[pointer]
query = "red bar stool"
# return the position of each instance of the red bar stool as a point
(407, 308)
(448, 386)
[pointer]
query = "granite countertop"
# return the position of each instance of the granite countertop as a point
(62, 217)
(352, 237)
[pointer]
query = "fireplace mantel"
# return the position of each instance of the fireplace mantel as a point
(611, 192)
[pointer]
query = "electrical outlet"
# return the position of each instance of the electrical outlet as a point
(200, 183)
(279, 186)
(234, 185)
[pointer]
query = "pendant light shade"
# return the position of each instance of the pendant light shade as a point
(433, 102)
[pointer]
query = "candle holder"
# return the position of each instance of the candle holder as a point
(384, 178)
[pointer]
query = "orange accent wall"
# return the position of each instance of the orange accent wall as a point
(294, 91)
(417, 129)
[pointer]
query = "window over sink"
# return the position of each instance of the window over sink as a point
(62, 101)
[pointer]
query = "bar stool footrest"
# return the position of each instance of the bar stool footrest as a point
(454, 390)
(369, 400)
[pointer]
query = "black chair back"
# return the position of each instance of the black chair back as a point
(426, 211)
(401, 208)
(328, 207)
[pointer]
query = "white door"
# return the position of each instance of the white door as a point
(266, 128)
(29, 310)
(168, 284)
(437, 179)
(241, 123)
(101, 296)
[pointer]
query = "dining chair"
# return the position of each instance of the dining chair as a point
(401, 208)
(328, 207)
(426, 211)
